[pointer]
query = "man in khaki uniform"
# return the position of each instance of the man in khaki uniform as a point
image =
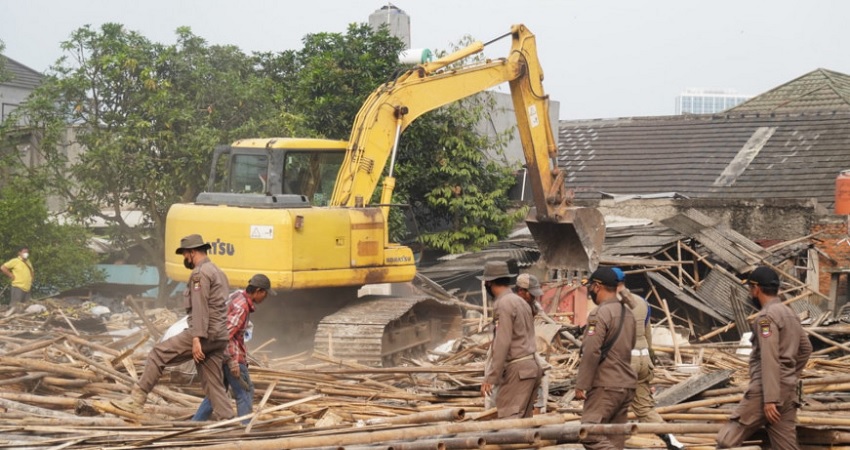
(606, 380)
(204, 341)
(528, 287)
(781, 350)
(512, 366)
(643, 405)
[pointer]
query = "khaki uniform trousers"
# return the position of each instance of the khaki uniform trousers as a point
(749, 417)
(606, 405)
(178, 349)
(643, 404)
(518, 389)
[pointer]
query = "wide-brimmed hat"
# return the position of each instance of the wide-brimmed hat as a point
(530, 283)
(261, 281)
(192, 242)
(494, 270)
(763, 276)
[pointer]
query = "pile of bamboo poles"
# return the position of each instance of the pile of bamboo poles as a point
(56, 388)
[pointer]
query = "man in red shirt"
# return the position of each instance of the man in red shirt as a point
(240, 306)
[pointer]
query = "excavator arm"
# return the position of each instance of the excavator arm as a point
(392, 107)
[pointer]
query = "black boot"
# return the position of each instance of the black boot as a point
(671, 441)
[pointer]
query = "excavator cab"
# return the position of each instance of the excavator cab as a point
(304, 167)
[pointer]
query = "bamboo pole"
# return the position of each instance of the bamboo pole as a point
(386, 435)
(139, 312)
(44, 366)
(118, 376)
(827, 340)
(35, 410)
(261, 405)
(32, 347)
(749, 318)
(442, 415)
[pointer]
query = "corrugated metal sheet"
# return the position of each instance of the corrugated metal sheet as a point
(726, 244)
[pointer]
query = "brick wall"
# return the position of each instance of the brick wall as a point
(832, 230)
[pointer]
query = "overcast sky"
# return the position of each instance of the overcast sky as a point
(602, 58)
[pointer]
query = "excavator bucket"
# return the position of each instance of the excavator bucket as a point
(572, 242)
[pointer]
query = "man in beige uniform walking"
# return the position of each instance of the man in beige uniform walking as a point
(512, 366)
(781, 349)
(605, 379)
(205, 339)
(643, 405)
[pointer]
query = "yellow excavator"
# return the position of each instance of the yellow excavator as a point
(298, 210)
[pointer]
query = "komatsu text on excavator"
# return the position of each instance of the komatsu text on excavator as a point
(298, 210)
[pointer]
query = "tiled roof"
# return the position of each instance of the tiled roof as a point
(728, 156)
(819, 90)
(22, 76)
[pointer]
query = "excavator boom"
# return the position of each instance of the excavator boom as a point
(568, 237)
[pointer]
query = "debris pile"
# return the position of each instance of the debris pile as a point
(62, 365)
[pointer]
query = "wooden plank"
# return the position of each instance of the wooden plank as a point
(691, 387)
(683, 297)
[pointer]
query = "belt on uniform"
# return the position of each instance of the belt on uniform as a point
(522, 358)
(640, 352)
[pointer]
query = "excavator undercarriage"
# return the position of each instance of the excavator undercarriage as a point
(377, 330)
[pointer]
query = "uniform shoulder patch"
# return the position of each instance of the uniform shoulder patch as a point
(591, 327)
(196, 282)
(764, 328)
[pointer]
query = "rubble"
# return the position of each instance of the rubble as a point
(61, 365)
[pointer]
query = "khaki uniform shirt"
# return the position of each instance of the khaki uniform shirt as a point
(781, 349)
(616, 370)
(514, 335)
(640, 309)
(205, 300)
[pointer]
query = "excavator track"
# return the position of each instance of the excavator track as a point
(380, 330)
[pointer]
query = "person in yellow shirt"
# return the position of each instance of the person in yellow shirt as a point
(20, 271)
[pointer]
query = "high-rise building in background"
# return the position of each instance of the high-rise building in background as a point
(396, 19)
(708, 101)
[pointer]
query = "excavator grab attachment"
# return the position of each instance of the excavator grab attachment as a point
(572, 240)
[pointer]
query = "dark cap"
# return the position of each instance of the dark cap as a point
(530, 283)
(494, 270)
(621, 276)
(192, 242)
(763, 276)
(261, 281)
(604, 276)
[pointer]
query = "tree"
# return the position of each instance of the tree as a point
(148, 116)
(332, 74)
(60, 253)
(458, 193)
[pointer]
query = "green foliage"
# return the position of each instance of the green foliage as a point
(59, 253)
(459, 194)
(333, 73)
(148, 116)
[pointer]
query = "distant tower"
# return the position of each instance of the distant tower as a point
(708, 101)
(396, 20)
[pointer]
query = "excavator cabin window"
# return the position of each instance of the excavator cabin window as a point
(311, 174)
(248, 174)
